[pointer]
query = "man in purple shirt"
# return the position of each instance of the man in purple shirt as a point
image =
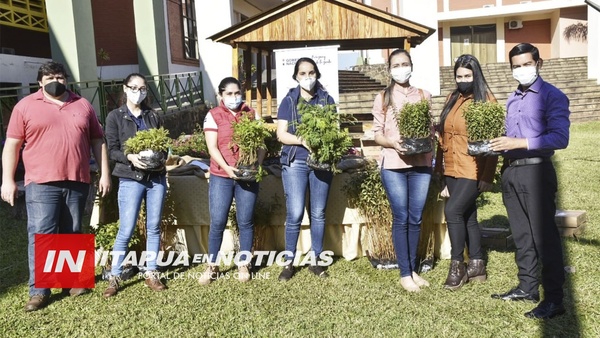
(537, 123)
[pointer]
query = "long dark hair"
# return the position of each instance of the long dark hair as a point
(480, 86)
(309, 60)
(387, 92)
(145, 104)
(227, 81)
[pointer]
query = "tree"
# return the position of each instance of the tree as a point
(577, 31)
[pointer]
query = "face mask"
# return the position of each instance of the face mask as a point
(401, 74)
(525, 75)
(55, 88)
(308, 83)
(232, 102)
(136, 98)
(465, 87)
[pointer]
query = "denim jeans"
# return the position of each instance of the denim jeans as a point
(131, 194)
(221, 191)
(52, 208)
(297, 178)
(406, 190)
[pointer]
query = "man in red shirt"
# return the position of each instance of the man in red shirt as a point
(58, 128)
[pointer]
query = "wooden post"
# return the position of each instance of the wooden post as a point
(235, 66)
(259, 70)
(407, 44)
(248, 75)
(269, 55)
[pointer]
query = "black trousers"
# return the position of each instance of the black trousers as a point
(461, 217)
(529, 193)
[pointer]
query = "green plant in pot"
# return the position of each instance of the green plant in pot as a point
(485, 121)
(414, 125)
(193, 145)
(152, 146)
(249, 136)
(320, 129)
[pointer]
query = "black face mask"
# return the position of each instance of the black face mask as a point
(55, 88)
(465, 87)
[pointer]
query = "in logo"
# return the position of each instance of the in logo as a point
(64, 261)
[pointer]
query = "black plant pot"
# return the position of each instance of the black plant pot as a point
(247, 173)
(155, 161)
(416, 146)
(481, 148)
(311, 163)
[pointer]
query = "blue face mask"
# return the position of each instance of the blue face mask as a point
(233, 102)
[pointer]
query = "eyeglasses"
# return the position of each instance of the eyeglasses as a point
(136, 89)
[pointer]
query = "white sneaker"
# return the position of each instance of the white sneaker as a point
(243, 273)
(211, 273)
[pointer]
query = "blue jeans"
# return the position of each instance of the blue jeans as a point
(297, 178)
(221, 191)
(52, 208)
(406, 190)
(131, 195)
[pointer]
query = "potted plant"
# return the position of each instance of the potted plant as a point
(193, 145)
(414, 125)
(485, 121)
(320, 129)
(249, 136)
(365, 193)
(152, 146)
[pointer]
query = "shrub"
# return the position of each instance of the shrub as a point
(414, 120)
(193, 145)
(485, 120)
(156, 139)
(320, 128)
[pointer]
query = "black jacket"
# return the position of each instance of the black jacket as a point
(119, 128)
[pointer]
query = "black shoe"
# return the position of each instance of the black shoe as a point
(318, 270)
(287, 273)
(517, 294)
(546, 310)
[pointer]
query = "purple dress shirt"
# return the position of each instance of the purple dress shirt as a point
(540, 114)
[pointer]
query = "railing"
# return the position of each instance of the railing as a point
(167, 92)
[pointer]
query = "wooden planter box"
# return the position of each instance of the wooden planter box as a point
(570, 222)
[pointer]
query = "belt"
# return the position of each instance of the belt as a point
(527, 161)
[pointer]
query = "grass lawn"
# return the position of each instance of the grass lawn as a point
(356, 301)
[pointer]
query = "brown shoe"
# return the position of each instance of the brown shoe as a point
(113, 286)
(74, 292)
(153, 281)
(476, 270)
(210, 274)
(36, 302)
(457, 275)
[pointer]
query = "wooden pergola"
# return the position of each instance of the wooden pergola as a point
(299, 23)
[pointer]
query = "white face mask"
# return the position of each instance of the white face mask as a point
(136, 98)
(308, 83)
(525, 75)
(401, 74)
(232, 102)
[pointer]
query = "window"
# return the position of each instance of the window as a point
(190, 34)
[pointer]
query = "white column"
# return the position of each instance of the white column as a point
(501, 53)
(151, 36)
(72, 37)
(215, 58)
(593, 44)
(425, 56)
